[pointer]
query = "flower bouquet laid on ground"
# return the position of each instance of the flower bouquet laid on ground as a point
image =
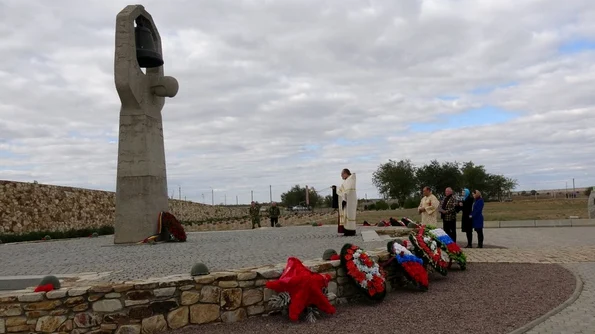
(409, 265)
(364, 272)
(427, 248)
(301, 292)
(449, 246)
(168, 229)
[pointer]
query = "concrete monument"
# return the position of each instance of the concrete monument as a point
(141, 188)
(591, 205)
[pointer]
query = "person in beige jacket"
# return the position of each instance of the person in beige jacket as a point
(428, 207)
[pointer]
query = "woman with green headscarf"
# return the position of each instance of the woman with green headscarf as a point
(466, 205)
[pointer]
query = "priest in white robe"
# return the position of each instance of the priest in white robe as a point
(428, 207)
(347, 203)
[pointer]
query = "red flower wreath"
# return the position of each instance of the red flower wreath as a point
(435, 257)
(172, 226)
(411, 264)
(417, 273)
(374, 286)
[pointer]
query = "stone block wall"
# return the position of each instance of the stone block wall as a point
(160, 304)
(32, 207)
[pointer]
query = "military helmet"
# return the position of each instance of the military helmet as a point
(328, 254)
(50, 280)
(199, 269)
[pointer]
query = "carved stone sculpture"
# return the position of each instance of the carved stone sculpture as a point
(141, 188)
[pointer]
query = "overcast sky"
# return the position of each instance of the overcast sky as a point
(290, 92)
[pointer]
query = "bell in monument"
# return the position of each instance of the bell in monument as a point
(146, 53)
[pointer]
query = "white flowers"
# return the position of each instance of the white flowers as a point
(370, 272)
(397, 249)
(437, 232)
(444, 256)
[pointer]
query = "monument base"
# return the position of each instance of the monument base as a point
(139, 200)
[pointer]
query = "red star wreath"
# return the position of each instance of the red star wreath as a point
(304, 288)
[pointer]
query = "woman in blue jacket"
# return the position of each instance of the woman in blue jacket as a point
(477, 217)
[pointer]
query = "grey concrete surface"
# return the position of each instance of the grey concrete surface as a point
(218, 250)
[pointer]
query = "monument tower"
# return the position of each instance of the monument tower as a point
(141, 186)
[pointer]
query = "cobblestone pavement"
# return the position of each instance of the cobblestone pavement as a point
(560, 254)
(536, 238)
(578, 317)
(218, 250)
(573, 247)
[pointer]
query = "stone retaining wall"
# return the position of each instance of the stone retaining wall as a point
(154, 306)
(32, 207)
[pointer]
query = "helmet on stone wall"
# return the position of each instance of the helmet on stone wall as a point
(199, 269)
(53, 280)
(328, 254)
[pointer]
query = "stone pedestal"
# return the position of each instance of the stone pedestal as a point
(141, 189)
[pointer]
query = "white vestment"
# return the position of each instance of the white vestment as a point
(430, 215)
(347, 193)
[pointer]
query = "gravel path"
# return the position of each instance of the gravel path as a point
(488, 298)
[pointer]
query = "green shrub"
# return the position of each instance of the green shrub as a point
(412, 202)
(372, 207)
(394, 206)
(382, 205)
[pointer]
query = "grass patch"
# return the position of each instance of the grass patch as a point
(68, 234)
(211, 221)
(524, 209)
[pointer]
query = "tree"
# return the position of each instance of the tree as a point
(328, 201)
(297, 196)
(498, 186)
(474, 177)
(395, 179)
(382, 205)
(400, 180)
(533, 192)
(588, 191)
(439, 176)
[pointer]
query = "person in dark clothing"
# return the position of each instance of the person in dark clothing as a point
(274, 213)
(448, 213)
(477, 217)
(465, 206)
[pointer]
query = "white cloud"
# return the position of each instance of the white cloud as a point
(263, 82)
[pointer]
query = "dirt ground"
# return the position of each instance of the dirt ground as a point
(487, 298)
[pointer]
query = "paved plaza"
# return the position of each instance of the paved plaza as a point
(573, 247)
(218, 250)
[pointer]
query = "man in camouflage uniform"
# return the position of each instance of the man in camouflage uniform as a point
(255, 214)
(274, 214)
